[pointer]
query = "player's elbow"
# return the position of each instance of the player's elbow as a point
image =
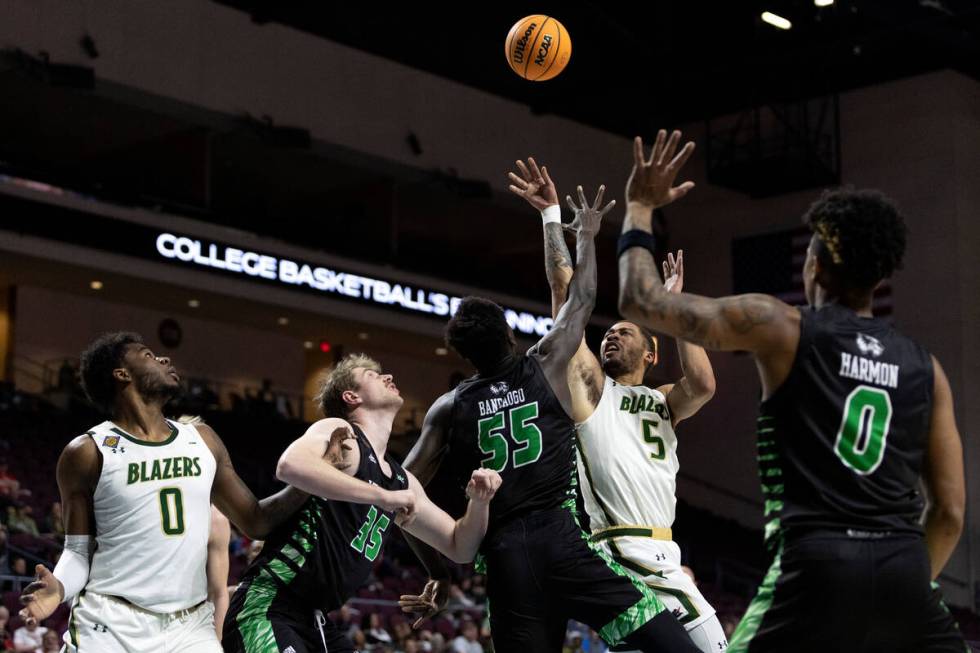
(705, 388)
(461, 557)
(950, 515)
(286, 469)
(629, 305)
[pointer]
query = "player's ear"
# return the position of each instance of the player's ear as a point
(652, 355)
(351, 398)
(122, 374)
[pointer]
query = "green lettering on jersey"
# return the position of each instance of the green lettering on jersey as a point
(133, 473)
(156, 475)
(179, 467)
(626, 404)
(143, 476)
(167, 462)
(197, 466)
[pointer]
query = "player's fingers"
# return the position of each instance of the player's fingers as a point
(668, 152)
(521, 183)
(681, 191)
(607, 208)
(666, 269)
(523, 169)
(547, 177)
(598, 196)
(678, 161)
(418, 622)
(535, 170)
(571, 204)
(584, 203)
(517, 191)
(680, 262)
(658, 146)
(638, 151)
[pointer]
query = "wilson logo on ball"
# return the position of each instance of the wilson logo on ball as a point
(538, 48)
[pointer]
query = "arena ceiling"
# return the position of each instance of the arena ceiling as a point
(639, 65)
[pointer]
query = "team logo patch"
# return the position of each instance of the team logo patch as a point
(500, 387)
(111, 441)
(401, 478)
(869, 345)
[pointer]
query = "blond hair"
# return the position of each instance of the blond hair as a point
(339, 380)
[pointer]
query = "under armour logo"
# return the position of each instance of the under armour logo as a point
(661, 557)
(289, 649)
(499, 387)
(869, 345)
(100, 628)
(372, 458)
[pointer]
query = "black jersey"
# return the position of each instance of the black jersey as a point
(513, 423)
(841, 442)
(324, 553)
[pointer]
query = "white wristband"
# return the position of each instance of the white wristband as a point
(73, 566)
(551, 214)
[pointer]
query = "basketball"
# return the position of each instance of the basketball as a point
(538, 48)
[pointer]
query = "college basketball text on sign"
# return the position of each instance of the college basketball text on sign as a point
(299, 274)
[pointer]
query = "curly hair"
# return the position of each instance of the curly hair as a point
(479, 332)
(97, 362)
(862, 235)
(339, 380)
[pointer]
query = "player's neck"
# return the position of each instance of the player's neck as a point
(376, 426)
(630, 378)
(499, 367)
(859, 302)
(141, 419)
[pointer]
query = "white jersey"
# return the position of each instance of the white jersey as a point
(627, 459)
(152, 518)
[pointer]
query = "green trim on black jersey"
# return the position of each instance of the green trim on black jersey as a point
(747, 628)
(147, 443)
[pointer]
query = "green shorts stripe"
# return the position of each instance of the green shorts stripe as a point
(749, 626)
(626, 623)
(253, 621)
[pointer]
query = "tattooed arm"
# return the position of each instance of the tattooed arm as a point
(760, 324)
(585, 377)
(555, 350)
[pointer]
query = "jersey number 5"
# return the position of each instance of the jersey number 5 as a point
(525, 436)
(863, 430)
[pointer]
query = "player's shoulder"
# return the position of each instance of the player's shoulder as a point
(81, 446)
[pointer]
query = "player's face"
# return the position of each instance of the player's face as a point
(153, 376)
(376, 389)
(623, 350)
(810, 271)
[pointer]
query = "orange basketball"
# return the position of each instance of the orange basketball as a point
(538, 48)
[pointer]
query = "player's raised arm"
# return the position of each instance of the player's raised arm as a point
(78, 472)
(535, 186)
(943, 475)
(584, 372)
(555, 350)
(697, 386)
(233, 498)
(757, 323)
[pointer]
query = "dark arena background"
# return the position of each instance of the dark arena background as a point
(260, 188)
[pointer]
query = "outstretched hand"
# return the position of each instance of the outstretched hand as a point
(587, 218)
(534, 185)
(674, 272)
(340, 443)
(651, 182)
(41, 597)
(429, 603)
